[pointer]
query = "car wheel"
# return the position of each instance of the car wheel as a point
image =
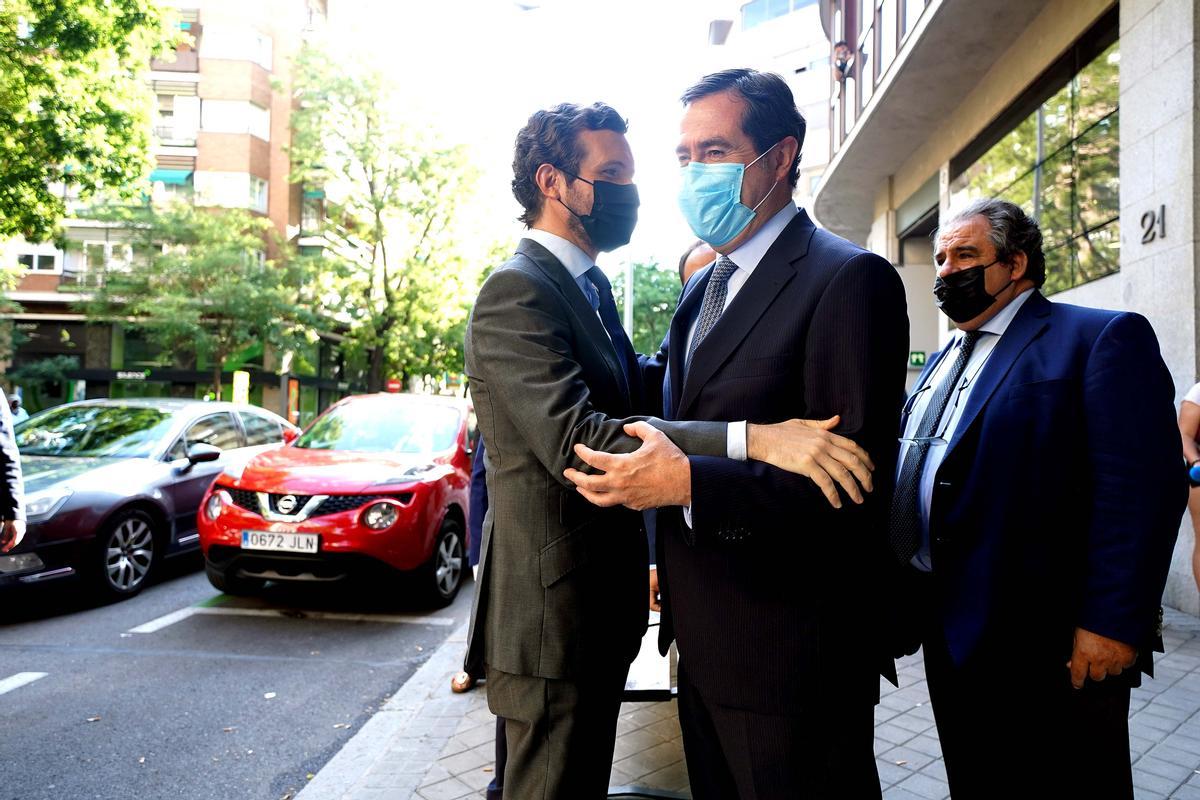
(125, 555)
(443, 573)
(228, 581)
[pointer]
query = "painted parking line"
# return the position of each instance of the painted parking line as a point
(333, 616)
(19, 680)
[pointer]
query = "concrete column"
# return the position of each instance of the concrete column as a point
(1160, 148)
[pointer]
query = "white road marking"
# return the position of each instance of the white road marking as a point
(228, 611)
(19, 680)
(163, 621)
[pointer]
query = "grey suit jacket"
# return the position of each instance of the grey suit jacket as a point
(562, 583)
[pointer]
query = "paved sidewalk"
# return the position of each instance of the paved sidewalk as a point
(431, 744)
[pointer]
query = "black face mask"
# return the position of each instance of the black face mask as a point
(961, 295)
(614, 213)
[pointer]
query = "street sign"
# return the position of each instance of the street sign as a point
(394, 385)
(916, 358)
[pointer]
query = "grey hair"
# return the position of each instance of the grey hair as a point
(1012, 231)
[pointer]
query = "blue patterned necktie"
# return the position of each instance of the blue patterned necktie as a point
(598, 292)
(904, 529)
(713, 304)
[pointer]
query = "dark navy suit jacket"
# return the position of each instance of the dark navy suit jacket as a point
(1058, 502)
(772, 591)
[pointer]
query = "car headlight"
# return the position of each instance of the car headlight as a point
(45, 504)
(420, 472)
(216, 502)
(380, 515)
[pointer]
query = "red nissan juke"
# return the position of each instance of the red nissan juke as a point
(376, 483)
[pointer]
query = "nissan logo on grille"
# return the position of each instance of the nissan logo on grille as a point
(286, 504)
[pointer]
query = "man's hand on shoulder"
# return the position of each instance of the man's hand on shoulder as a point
(1097, 657)
(809, 447)
(655, 475)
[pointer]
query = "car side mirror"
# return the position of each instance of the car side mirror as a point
(290, 435)
(200, 452)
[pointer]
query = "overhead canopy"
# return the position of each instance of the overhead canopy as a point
(170, 176)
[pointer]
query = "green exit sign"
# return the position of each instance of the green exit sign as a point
(916, 358)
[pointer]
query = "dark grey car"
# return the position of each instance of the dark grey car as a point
(112, 486)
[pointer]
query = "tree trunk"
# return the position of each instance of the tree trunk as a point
(217, 378)
(375, 373)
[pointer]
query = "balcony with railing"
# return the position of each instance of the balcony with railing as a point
(179, 61)
(175, 136)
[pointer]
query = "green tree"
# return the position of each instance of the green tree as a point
(74, 105)
(200, 286)
(655, 292)
(395, 195)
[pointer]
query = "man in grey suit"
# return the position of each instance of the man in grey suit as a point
(560, 608)
(12, 493)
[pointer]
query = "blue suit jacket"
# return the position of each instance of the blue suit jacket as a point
(1058, 502)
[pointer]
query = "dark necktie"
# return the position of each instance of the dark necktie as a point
(904, 529)
(713, 303)
(603, 303)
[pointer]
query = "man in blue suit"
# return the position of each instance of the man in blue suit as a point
(1038, 493)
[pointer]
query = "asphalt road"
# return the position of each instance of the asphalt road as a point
(183, 692)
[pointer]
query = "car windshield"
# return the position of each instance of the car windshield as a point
(120, 431)
(383, 426)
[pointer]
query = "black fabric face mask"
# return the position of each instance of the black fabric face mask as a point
(614, 213)
(961, 295)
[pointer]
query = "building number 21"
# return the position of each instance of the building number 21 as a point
(1154, 225)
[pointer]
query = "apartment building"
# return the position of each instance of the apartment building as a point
(223, 102)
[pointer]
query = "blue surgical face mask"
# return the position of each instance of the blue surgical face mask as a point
(711, 200)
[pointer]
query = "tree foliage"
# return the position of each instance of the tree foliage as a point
(655, 292)
(200, 287)
(74, 105)
(392, 196)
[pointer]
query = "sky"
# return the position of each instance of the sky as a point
(474, 70)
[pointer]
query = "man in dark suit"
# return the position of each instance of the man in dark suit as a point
(560, 608)
(12, 492)
(769, 589)
(1038, 495)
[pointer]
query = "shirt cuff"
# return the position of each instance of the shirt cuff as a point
(687, 515)
(735, 446)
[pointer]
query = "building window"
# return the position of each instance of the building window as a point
(1060, 163)
(258, 194)
(230, 190)
(757, 12)
(235, 116)
(237, 43)
(38, 262)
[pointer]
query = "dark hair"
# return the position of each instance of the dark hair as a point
(841, 43)
(771, 112)
(1012, 231)
(552, 137)
(688, 254)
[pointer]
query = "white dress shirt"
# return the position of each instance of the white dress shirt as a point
(993, 329)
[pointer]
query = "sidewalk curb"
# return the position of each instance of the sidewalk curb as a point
(398, 730)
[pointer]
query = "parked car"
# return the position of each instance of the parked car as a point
(112, 486)
(377, 484)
